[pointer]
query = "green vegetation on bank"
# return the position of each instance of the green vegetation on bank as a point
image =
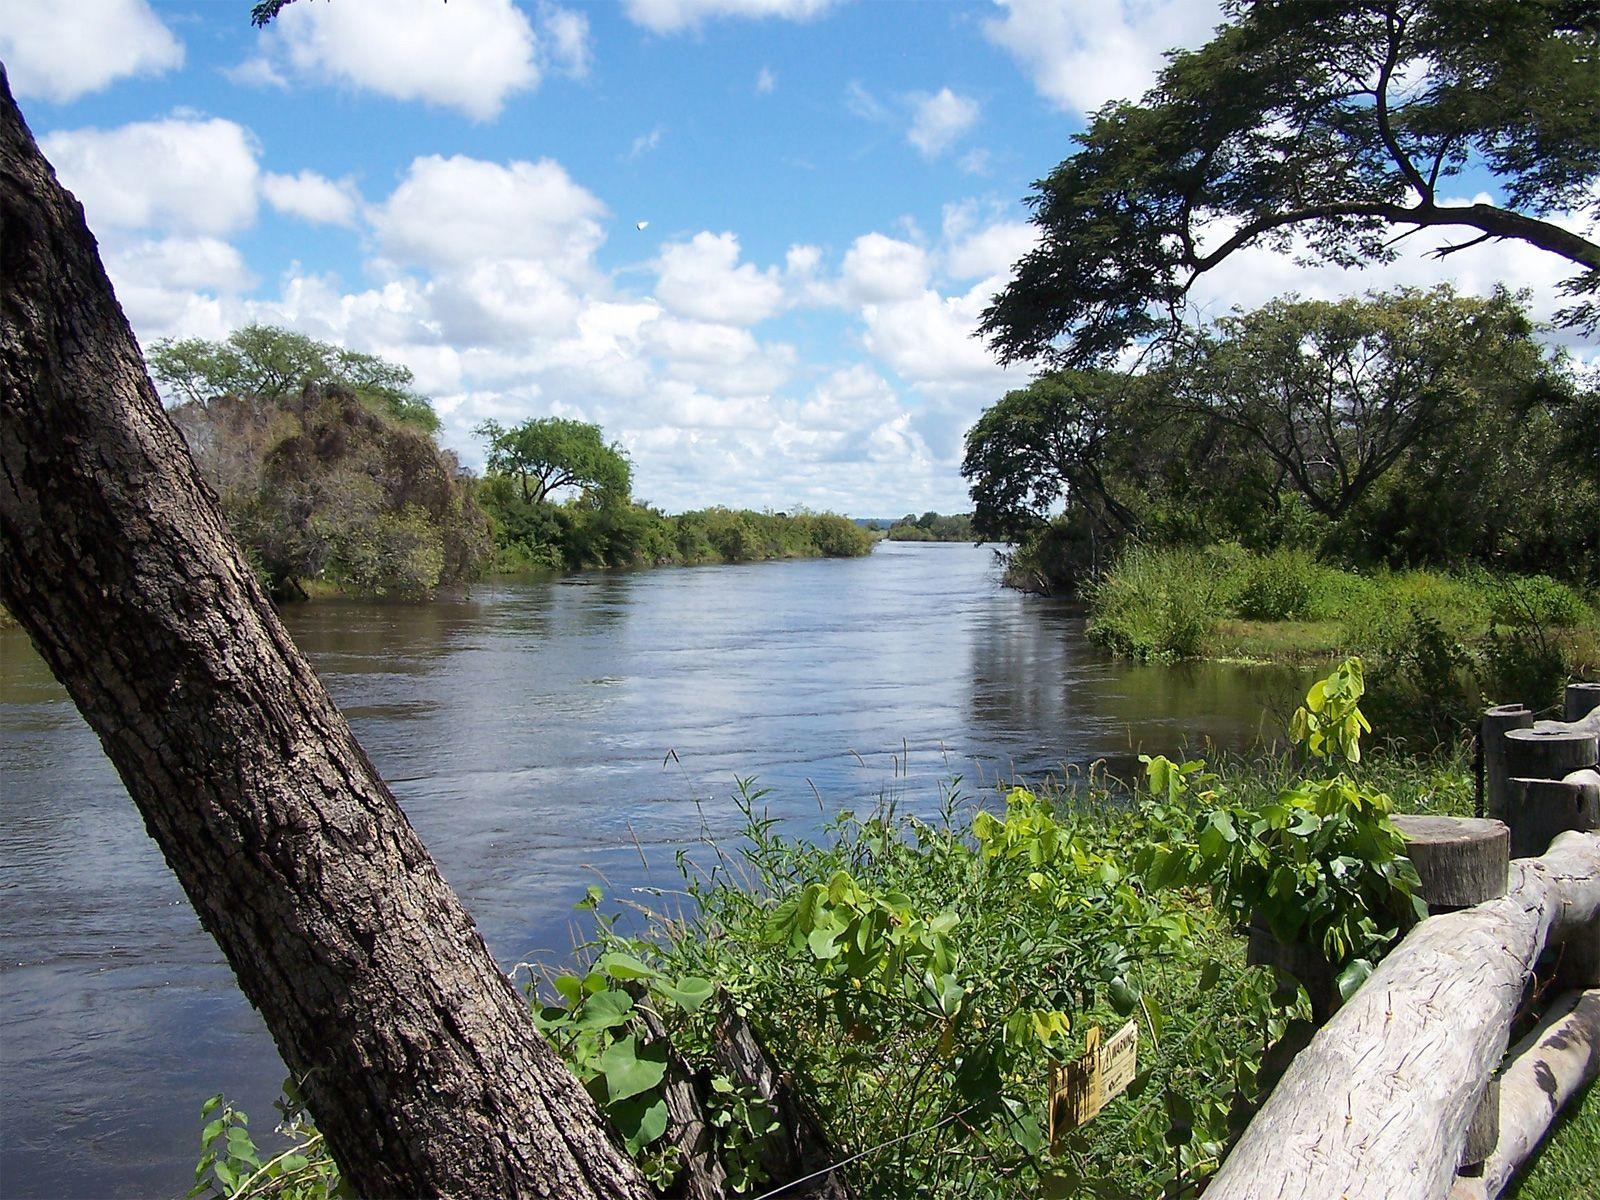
(328, 471)
(1442, 644)
(1412, 429)
(918, 979)
(933, 527)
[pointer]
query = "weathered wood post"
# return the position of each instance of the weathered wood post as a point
(1463, 861)
(1543, 808)
(1550, 750)
(1497, 722)
(1580, 700)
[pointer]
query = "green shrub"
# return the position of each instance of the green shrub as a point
(1537, 600)
(1156, 604)
(1276, 587)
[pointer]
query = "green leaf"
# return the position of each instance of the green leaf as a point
(640, 1120)
(689, 993)
(624, 966)
(605, 1010)
(630, 1069)
(1353, 976)
(1210, 974)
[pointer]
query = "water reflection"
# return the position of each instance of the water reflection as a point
(540, 736)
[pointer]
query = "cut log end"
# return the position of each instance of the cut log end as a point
(1461, 861)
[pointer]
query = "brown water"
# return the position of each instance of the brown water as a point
(541, 737)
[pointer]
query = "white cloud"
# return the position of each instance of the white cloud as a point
(674, 16)
(878, 268)
(928, 340)
(469, 55)
(938, 120)
(646, 142)
(703, 278)
(766, 82)
(1081, 53)
(448, 212)
(564, 34)
(184, 175)
(992, 250)
(312, 197)
(60, 50)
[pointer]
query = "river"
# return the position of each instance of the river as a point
(541, 736)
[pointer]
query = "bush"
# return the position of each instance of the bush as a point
(1277, 587)
(1156, 605)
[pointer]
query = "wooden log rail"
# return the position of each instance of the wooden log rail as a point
(1384, 1100)
(1378, 1106)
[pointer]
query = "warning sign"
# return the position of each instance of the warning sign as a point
(1079, 1090)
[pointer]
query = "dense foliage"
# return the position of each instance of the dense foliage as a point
(933, 527)
(598, 524)
(1335, 123)
(321, 487)
(1406, 429)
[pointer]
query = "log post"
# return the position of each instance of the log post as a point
(1579, 701)
(1552, 752)
(1497, 722)
(1461, 861)
(1378, 1106)
(1541, 808)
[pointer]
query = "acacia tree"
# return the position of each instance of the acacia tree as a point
(265, 363)
(414, 1052)
(544, 454)
(1336, 393)
(1342, 122)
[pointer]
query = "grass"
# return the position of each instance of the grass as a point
(1567, 1165)
(1298, 643)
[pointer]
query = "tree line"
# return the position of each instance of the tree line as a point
(329, 472)
(1409, 428)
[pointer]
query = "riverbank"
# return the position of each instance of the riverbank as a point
(900, 970)
(1441, 645)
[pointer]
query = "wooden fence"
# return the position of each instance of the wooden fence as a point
(1408, 1092)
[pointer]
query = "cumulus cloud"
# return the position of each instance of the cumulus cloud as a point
(450, 211)
(312, 197)
(60, 51)
(975, 251)
(704, 278)
(879, 268)
(183, 174)
(470, 55)
(939, 120)
(1081, 53)
(675, 16)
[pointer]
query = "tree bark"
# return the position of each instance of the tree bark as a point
(1378, 1106)
(416, 1055)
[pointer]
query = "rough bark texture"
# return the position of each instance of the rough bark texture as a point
(415, 1053)
(1461, 861)
(1379, 1104)
(1546, 1069)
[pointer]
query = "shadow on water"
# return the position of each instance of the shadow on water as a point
(540, 736)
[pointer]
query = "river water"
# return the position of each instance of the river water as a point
(541, 736)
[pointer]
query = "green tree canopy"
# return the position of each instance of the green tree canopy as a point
(544, 454)
(1334, 394)
(267, 363)
(1341, 121)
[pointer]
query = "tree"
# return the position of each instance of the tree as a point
(1343, 122)
(1335, 394)
(415, 1053)
(1047, 446)
(544, 454)
(265, 363)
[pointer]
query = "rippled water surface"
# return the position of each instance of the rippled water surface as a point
(539, 735)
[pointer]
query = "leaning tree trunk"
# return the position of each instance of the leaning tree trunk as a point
(414, 1052)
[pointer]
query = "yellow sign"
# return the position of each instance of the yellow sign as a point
(1079, 1090)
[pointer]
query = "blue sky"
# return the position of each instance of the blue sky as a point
(831, 191)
